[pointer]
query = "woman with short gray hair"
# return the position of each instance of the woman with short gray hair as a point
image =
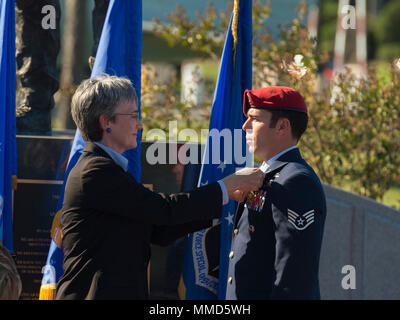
(108, 218)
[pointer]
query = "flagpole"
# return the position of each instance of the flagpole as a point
(205, 270)
(340, 39)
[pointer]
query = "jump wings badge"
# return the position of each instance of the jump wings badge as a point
(301, 221)
(255, 200)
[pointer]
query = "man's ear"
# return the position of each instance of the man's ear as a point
(104, 121)
(283, 126)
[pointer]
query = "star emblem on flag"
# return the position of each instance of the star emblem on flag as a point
(222, 166)
(229, 218)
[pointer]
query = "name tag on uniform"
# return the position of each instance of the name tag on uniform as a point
(255, 200)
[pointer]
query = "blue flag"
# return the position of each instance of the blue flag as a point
(8, 150)
(206, 259)
(120, 54)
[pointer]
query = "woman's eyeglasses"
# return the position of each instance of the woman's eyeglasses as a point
(134, 115)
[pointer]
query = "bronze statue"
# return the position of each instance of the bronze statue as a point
(36, 54)
(37, 48)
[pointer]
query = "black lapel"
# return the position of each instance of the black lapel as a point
(291, 156)
(91, 147)
(275, 166)
(239, 212)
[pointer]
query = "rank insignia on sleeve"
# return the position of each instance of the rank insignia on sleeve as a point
(255, 200)
(301, 221)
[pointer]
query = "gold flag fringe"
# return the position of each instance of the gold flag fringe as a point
(47, 291)
(56, 232)
(181, 289)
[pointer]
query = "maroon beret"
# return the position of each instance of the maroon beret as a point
(273, 98)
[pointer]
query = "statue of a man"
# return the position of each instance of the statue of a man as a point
(37, 48)
(36, 54)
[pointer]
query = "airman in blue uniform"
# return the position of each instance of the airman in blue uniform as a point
(278, 230)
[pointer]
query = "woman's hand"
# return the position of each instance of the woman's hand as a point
(242, 181)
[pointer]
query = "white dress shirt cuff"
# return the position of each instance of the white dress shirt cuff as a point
(225, 196)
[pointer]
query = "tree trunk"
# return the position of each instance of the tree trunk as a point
(74, 61)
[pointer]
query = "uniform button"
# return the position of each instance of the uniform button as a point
(230, 280)
(231, 254)
(236, 231)
(251, 228)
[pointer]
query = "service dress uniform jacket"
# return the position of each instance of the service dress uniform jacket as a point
(277, 235)
(109, 221)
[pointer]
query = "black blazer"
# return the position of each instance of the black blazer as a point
(278, 234)
(109, 221)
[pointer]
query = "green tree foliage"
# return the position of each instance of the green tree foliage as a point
(386, 33)
(387, 20)
(161, 103)
(353, 138)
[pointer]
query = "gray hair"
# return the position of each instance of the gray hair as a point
(97, 96)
